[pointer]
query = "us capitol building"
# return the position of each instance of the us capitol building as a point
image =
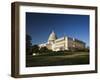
(63, 43)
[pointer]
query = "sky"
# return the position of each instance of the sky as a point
(40, 25)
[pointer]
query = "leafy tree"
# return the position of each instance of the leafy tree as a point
(35, 49)
(28, 44)
(44, 49)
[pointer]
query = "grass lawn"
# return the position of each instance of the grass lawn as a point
(75, 58)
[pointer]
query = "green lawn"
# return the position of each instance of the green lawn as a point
(74, 58)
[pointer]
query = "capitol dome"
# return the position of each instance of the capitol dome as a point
(52, 36)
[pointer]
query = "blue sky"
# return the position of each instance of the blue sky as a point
(40, 25)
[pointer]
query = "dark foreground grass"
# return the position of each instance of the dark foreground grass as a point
(75, 58)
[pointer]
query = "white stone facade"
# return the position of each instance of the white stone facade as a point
(63, 43)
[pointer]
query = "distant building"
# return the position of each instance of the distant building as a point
(63, 43)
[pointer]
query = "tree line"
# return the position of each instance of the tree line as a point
(30, 49)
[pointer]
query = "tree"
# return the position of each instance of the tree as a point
(35, 49)
(44, 49)
(28, 44)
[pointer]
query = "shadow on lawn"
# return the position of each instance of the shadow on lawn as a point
(77, 58)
